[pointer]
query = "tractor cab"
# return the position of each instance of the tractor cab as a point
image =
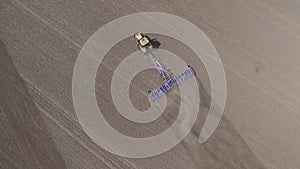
(143, 41)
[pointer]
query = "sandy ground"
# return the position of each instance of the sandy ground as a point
(258, 42)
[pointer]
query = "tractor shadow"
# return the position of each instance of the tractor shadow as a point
(155, 43)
